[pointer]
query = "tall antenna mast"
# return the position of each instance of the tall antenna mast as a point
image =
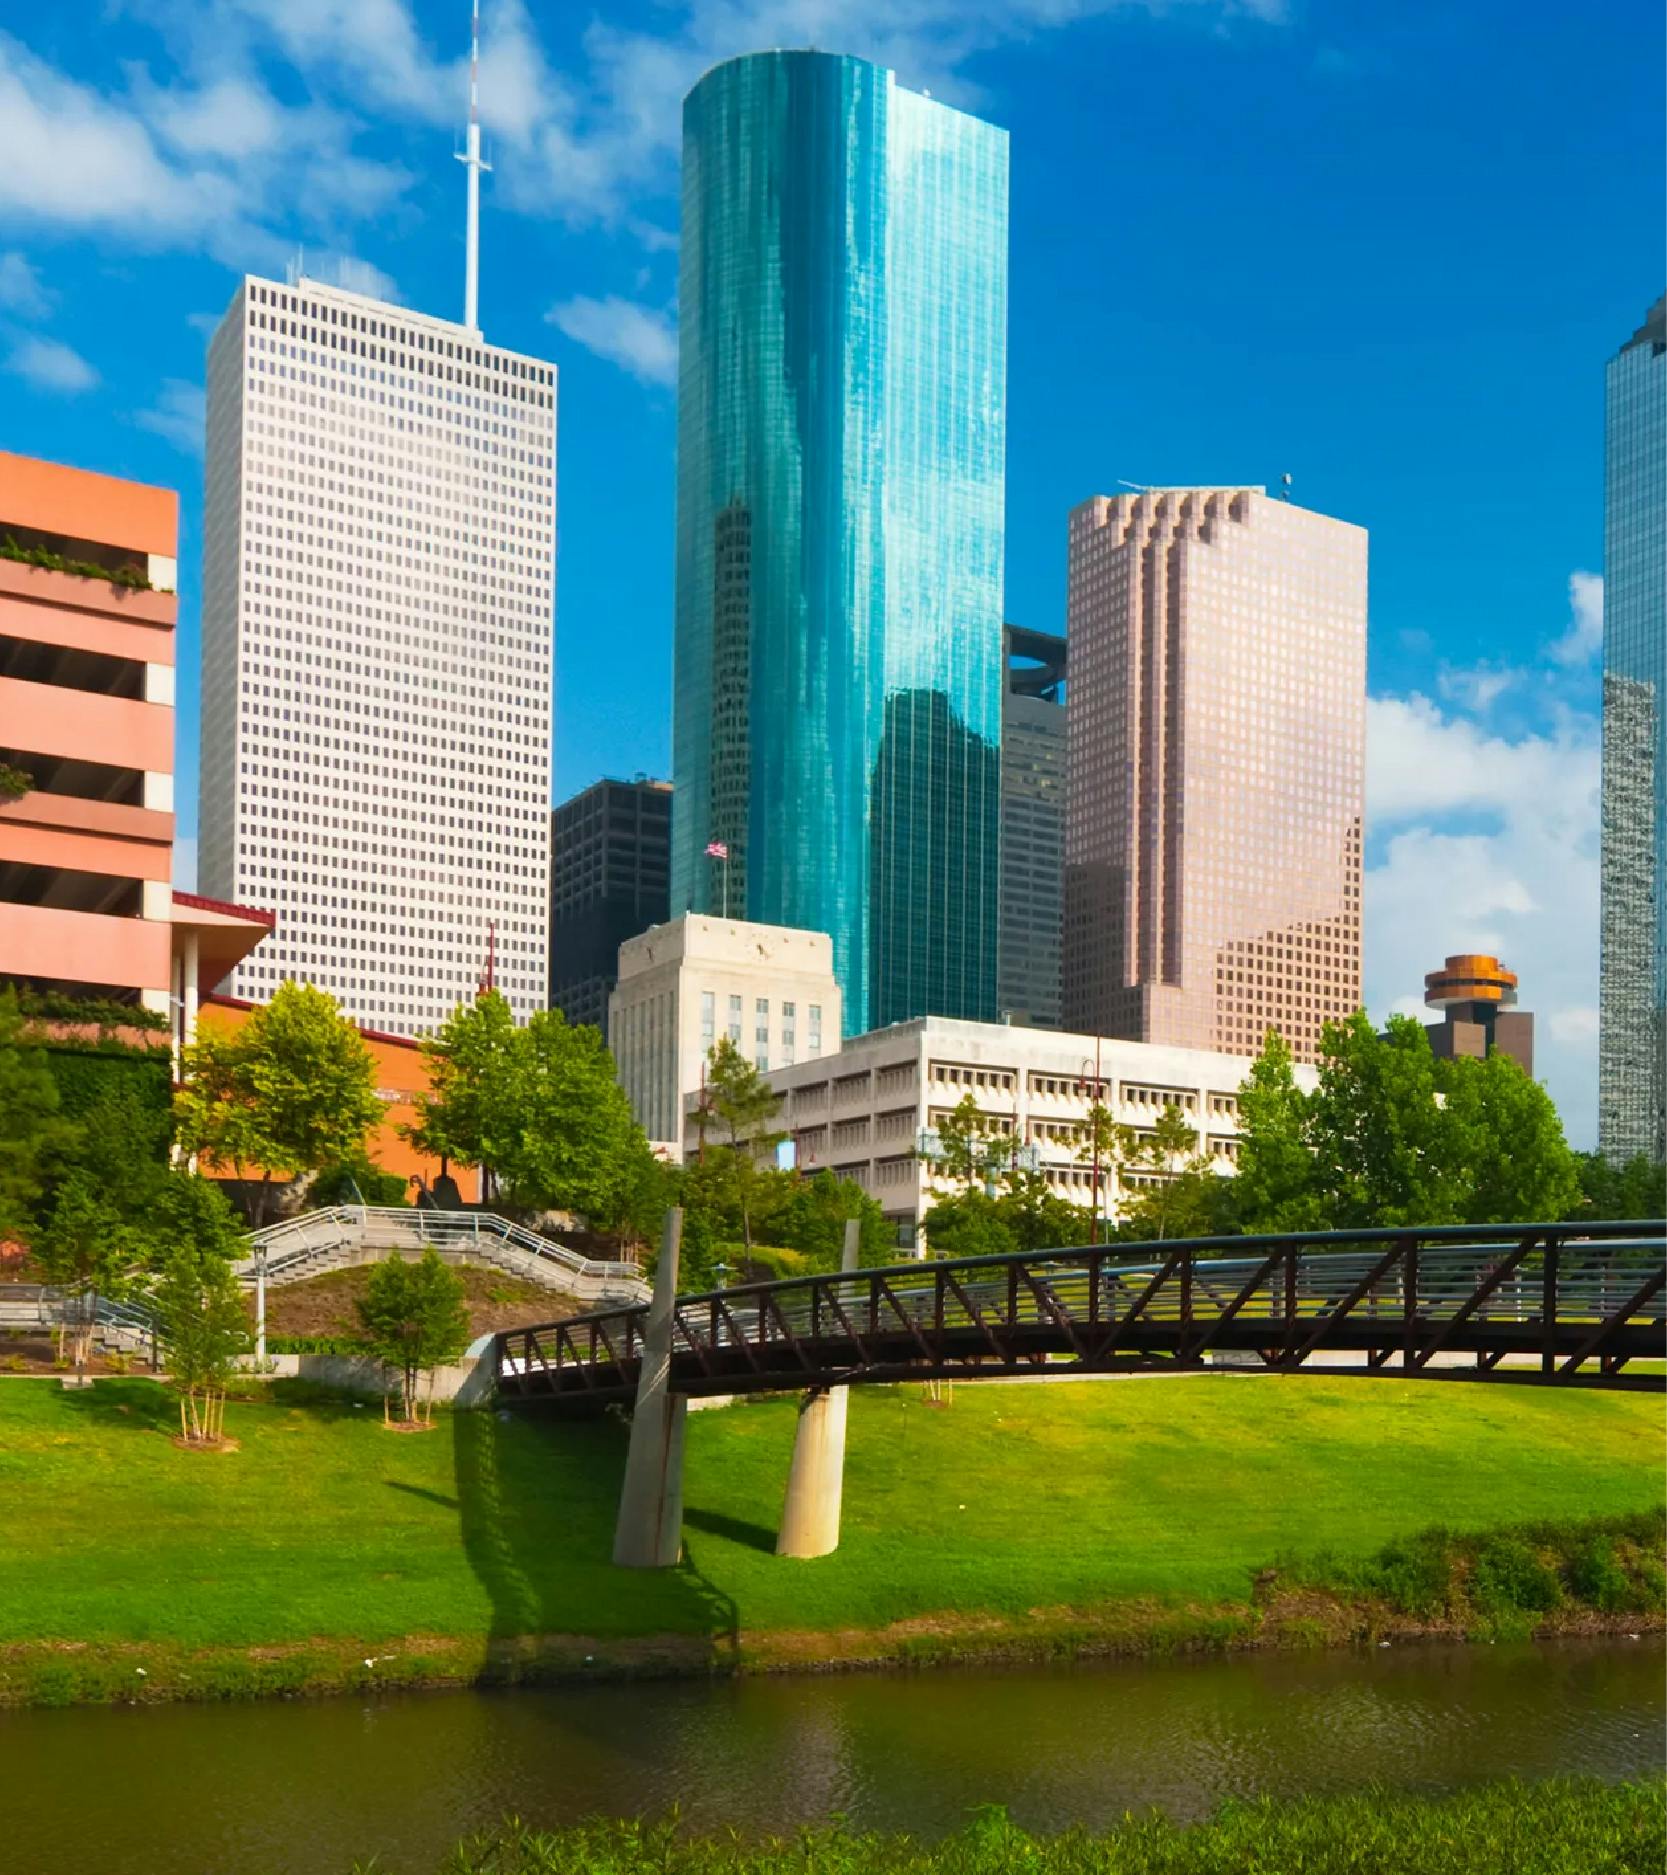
(471, 159)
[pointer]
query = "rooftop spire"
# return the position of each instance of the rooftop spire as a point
(470, 157)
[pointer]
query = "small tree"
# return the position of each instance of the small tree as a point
(86, 1249)
(205, 1322)
(1104, 1143)
(468, 1116)
(1508, 1138)
(1277, 1186)
(972, 1149)
(1167, 1152)
(412, 1319)
(292, 1091)
(743, 1103)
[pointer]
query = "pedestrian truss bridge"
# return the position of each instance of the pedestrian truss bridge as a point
(1543, 1304)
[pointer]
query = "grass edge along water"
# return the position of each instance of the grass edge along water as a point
(1504, 1828)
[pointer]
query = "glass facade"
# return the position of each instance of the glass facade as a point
(1633, 995)
(841, 460)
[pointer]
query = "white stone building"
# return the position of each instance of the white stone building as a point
(378, 581)
(863, 1113)
(684, 985)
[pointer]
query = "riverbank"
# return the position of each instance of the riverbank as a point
(1014, 1523)
(1497, 1829)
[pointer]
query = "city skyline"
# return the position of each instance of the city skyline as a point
(1483, 723)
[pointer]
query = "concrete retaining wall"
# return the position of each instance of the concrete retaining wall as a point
(468, 1383)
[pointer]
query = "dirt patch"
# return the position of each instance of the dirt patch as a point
(206, 1445)
(408, 1425)
(28, 1351)
(323, 1305)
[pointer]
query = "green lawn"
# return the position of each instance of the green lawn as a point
(324, 1527)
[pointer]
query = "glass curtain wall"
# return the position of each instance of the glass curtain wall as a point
(841, 458)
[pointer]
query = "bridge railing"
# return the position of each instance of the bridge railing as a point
(1569, 1293)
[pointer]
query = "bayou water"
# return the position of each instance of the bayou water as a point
(306, 1788)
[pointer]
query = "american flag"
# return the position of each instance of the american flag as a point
(717, 850)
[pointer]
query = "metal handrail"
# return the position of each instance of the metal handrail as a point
(293, 1239)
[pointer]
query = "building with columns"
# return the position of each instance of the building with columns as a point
(867, 1111)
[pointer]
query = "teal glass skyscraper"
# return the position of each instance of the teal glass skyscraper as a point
(1632, 1013)
(840, 494)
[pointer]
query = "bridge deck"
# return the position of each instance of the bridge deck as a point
(1581, 1301)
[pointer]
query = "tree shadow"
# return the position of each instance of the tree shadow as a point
(141, 1405)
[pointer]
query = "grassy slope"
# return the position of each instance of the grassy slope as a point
(323, 1305)
(325, 1526)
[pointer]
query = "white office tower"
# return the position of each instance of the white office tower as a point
(378, 577)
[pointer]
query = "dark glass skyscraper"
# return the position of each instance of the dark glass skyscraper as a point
(841, 460)
(1632, 1024)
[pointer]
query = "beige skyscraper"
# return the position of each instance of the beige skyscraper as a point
(1216, 733)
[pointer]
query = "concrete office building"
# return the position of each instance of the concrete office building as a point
(840, 523)
(610, 854)
(87, 648)
(863, 1113)
(1477, 997)
(378, 567)
(1032, 827)
(1217, 741)
(1632, 997)
(686, 984)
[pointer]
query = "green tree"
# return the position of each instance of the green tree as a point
(475, 1062)
(14, 783)
(1507, 1137)
(1103, 1144)
(292, 1091)
(34, 1134)
(1636, 1189)
(972, 1149)
(810, 1214)
(969, 1223)
(412, 1319)
(1385, 1152)
(86, 1249)
(1168, 1158)
(743, 1104)
(574, 1131)
(205, 1322)
(1277, 1187)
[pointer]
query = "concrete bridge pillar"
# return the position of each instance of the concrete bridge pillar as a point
(649, 1533)
(816, 1478)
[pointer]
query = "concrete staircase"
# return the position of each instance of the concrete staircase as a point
(344, 1235)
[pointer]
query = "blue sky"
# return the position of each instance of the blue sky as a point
(1386, 249)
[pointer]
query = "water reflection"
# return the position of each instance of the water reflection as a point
(301, 1789)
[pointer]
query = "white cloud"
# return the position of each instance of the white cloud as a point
(640, 339)
(1477, 688)
(177, 415)
(1584, 638)
(21, 291)
(1491, 846)
(353, 275)
(50, 365)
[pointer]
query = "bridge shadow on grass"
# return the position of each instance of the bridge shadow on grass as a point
(714, 1523)
(537, 1497)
